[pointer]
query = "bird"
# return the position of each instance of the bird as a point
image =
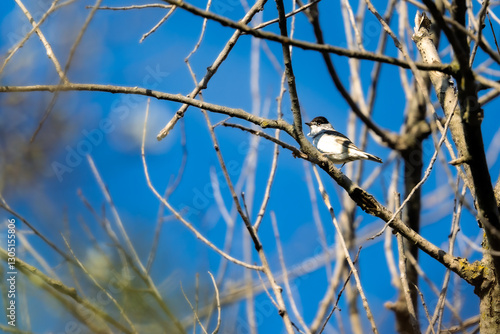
(334, 145)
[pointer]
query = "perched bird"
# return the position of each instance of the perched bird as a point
(334, 145)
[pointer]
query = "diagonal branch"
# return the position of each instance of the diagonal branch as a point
(295, 151)
(212, 69)
(177, 214)
(40, 278)
(48, 47)
(64, 78)
(287, 58)
(292, 13)
(307, 45)
(362, 198)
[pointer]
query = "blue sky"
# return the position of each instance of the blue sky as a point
(109, 126)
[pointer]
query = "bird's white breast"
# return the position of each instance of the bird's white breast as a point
(336, 152)
(327, 144)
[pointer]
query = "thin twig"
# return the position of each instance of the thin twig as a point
(326, 199)
(292, 13)
(454, 230)
(433, 286)
(327, 300)
(388, 250)
(6, 207)
(37, 276)
(64, 79)
(197, 45)
(193, 309)
(493, 30)
(168, 191)
(467, 323)
(163, 19)
(196, 300)
(35, 28)
(266, 290)
(132, 253)
(252, 232)
(308, 45)
(316, 217)
(48, 47)
(108, 229)
(422, 181)
(339, 295)
(284, 270)
(178, 216)
(482, 16)
(352, 21)
(151, 5)
(216, 330)
(296, 152)
(424, 305)
(99, 286)
(269, 184)
(211, 70)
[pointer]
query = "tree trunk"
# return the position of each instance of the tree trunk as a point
(489, 295)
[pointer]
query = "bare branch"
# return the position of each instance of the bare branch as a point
(178, 216)
(216, 330)
(35, 28)
(193, 309)
(64, 79)
(482, 16)
(233, 112)
(339, 295)
(35, 275)
(165, 18)
(292, 13)
(466, 127)
(285, 274)
(346, 253)
(48, 47)
(296, 152)
(211, 70)
(6, 207)
(424, 306)
(363, 199)
(151, 5)
(307, 45)
(424, 178)
(99, 286)
(405, 286)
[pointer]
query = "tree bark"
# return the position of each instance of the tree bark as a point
(489, 295)
(466, 133)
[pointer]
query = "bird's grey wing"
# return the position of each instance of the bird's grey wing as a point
(342, 140)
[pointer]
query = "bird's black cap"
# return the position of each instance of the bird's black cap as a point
(318, 121)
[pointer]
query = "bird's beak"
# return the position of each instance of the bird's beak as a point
(309, 134)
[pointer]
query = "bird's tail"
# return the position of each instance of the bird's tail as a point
(373, 158)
